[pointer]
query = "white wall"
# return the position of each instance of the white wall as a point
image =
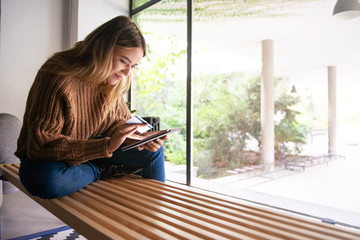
(31, 31)
(93, 13)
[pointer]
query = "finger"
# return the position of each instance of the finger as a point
(123, 129)
(159, 141)
(164, 137)
(136, 136)
(149, 147)
(154, 145)
(148, 134)
(131, 132)
(123, 135)
(137, 124)
(118, 138)
(126, 127)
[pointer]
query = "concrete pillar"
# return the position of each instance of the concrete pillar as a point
(267, 103)
(331, 109)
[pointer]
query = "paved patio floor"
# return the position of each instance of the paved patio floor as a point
(324, 191)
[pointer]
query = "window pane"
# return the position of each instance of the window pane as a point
(161, 78)
(227, 74)
(138, 3)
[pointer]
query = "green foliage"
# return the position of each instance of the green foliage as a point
(287, 128)
(138, 3)
(215, 10)
(175, 149)
(129, 106)
(226, 112)
(228, 120)
(161, 92)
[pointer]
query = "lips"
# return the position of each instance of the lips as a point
(118, 76)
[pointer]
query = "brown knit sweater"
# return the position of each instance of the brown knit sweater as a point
(63, 116)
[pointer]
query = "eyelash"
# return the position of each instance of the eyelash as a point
(125, 62)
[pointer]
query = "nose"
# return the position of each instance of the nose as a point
(126, 71)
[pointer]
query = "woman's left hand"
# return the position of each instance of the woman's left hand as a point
(153, 146)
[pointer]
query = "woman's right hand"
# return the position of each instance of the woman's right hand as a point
(120, 134)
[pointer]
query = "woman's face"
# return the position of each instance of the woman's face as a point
(124, 60)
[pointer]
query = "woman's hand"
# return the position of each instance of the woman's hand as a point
(152, 146)
(120, 134)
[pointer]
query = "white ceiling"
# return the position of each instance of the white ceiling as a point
(306, 37)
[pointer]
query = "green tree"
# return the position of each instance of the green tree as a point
(228, 119)
(161, 92)
(226, 111)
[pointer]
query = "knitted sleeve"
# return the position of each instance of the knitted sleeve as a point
(120, 115)
(48, 134)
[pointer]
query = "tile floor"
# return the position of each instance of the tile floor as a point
(20, 216)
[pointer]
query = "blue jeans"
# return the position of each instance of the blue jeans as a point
(50, 179)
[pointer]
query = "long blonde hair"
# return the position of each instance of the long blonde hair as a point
(91, 60)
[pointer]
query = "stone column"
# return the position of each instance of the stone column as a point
(267, 103)
(332, 109)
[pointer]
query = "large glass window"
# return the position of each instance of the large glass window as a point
(314, 59)
(160, 88)
(138, 3)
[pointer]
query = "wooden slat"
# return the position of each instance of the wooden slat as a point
(64, 212)
(282, 218)
(95, 218)
(311, 227)
(126, 216)
(136, 208)
(220, 212)
(169, 217)
(184, 214)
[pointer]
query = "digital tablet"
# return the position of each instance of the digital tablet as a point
(160, 134)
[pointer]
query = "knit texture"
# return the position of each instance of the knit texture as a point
(63, 117)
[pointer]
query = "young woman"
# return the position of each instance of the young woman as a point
(75, 116)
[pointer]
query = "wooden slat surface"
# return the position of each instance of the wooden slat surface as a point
(136, 208)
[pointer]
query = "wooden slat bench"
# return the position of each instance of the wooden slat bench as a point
(136, 208)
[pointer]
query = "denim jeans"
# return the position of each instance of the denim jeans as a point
(50, 179)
